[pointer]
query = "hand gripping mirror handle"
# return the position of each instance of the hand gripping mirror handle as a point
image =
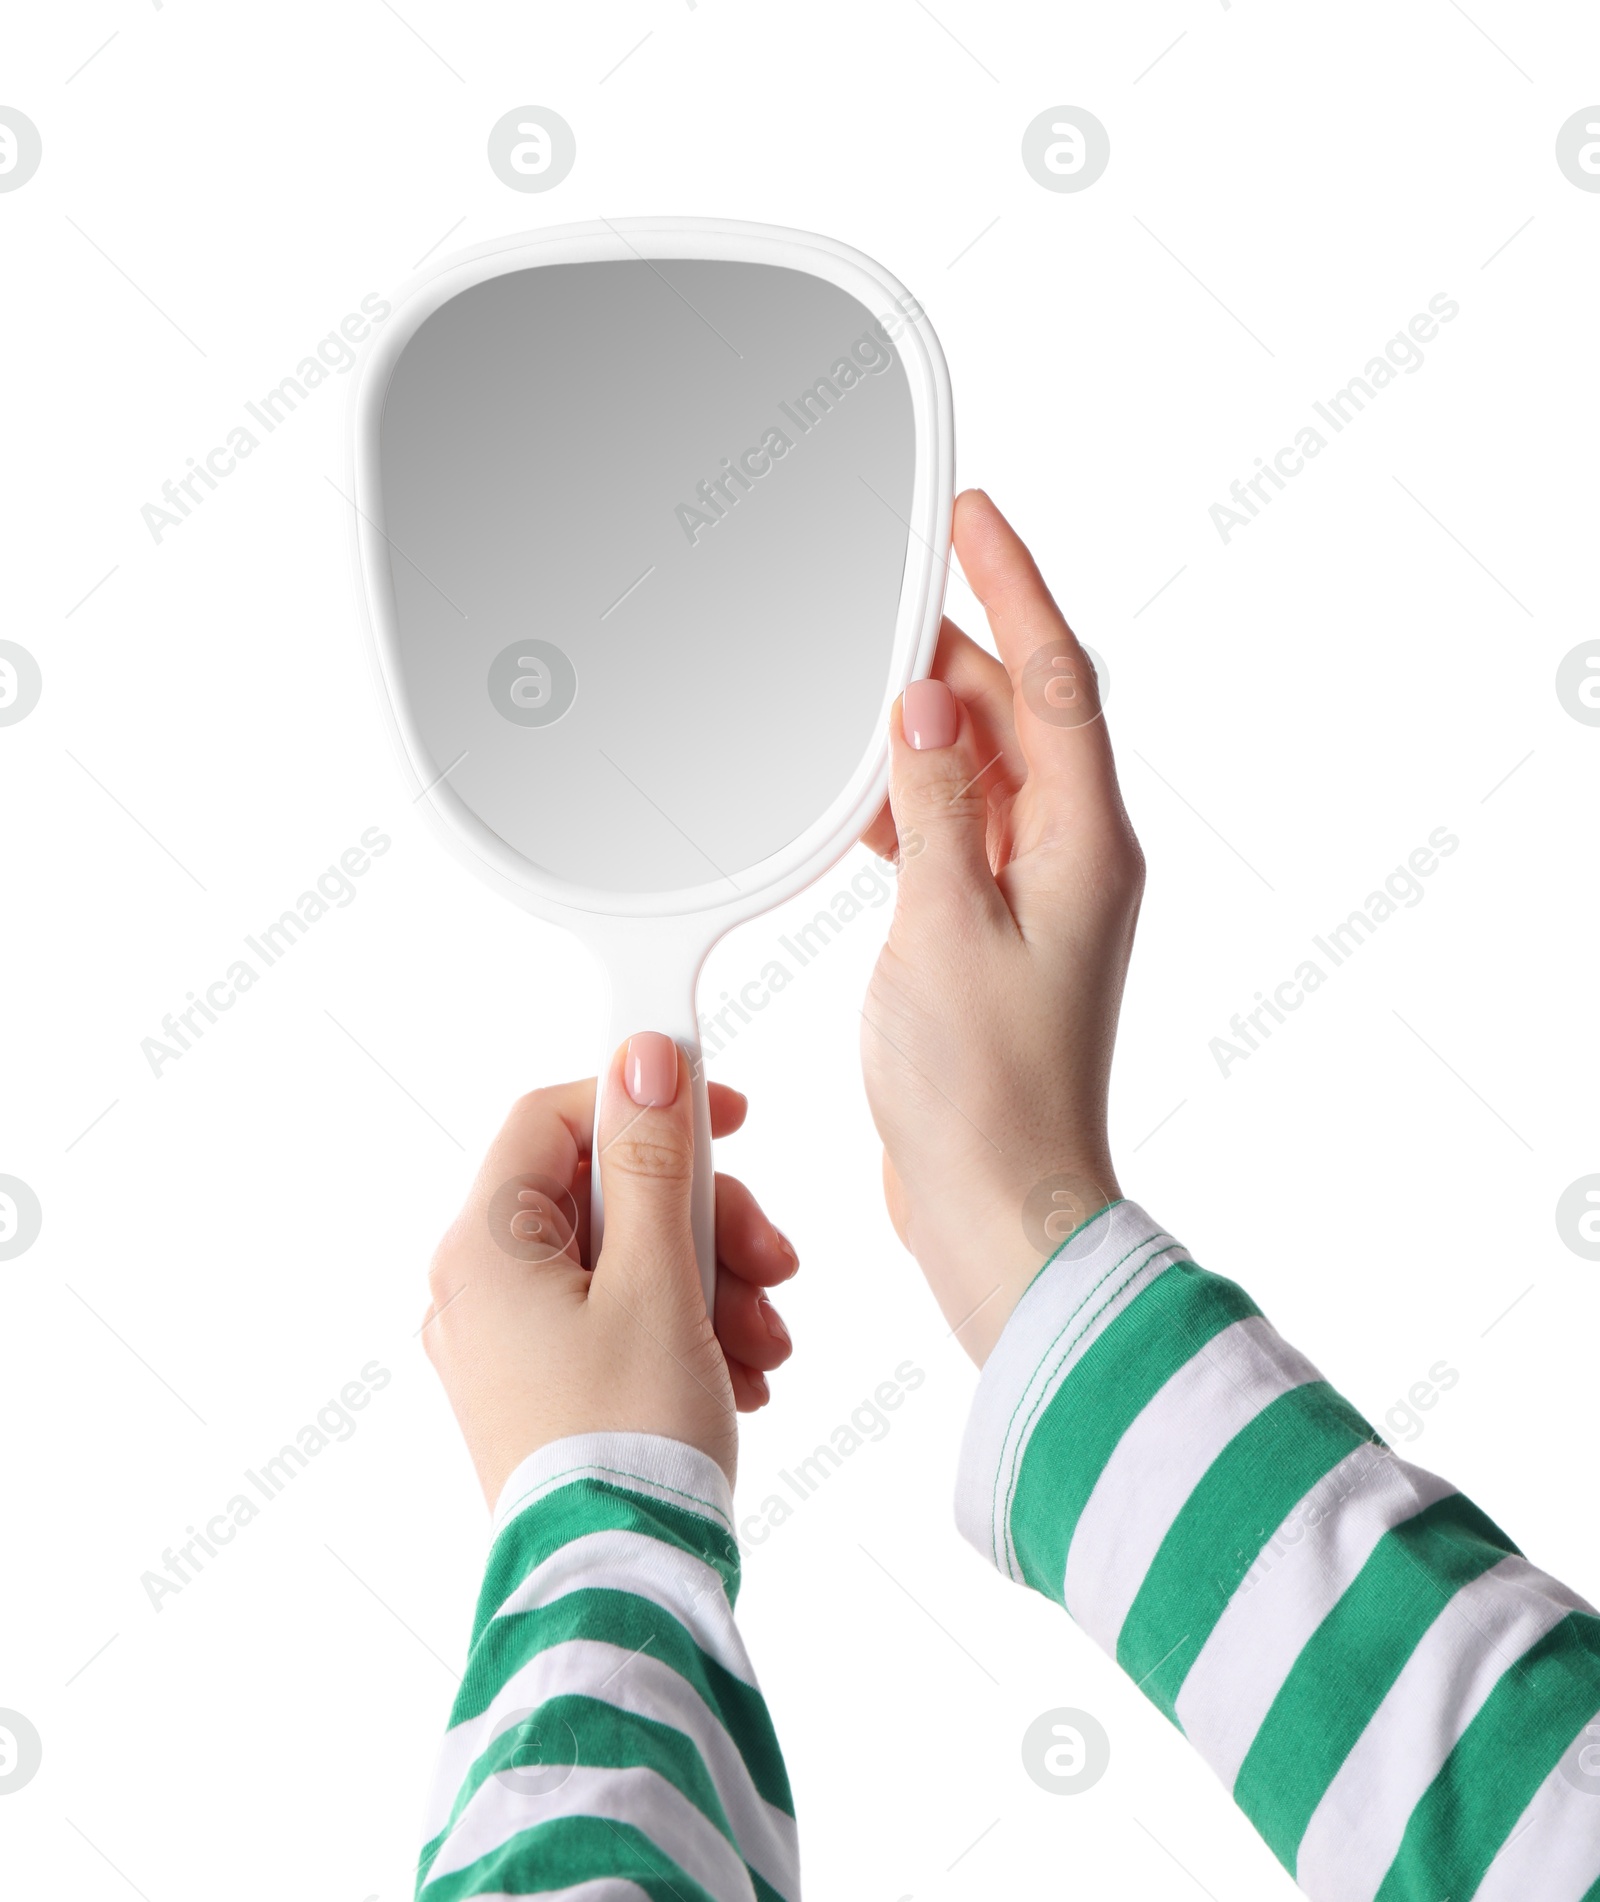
(660, 995)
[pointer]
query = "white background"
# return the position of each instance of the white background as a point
(1294, 714)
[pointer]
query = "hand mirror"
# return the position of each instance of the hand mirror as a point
(652, 521)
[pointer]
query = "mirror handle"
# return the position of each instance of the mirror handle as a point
(641, 1000)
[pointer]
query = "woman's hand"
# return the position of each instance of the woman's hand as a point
(992, 1013)
(533, 1345)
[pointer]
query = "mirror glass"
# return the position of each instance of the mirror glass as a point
(647, 525)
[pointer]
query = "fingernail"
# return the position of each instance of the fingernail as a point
(929, 715)
(650, 1069)
(787, 1249)
(774, 1322)
(759, 1382)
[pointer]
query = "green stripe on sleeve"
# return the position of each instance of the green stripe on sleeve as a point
(564, 1852)
(574, 1729)
(1164, 1326)
(1349, 1663)
(577, 1729)
(630, 1622)
(1245, 1495)
(1526, 1725)
(589, 1505)
(627, 1699)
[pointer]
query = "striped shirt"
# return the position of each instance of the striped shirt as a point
(609, 1742)
(1403, 1706)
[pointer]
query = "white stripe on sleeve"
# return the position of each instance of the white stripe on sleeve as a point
(1065, 1310)
(1355, 1832)
(1159, 1461)
(633, 1797)
(1303, 1571)
(644, 1687)
(674, 1580)
(663, 1469)
(605, 1889)
(1553, 1852)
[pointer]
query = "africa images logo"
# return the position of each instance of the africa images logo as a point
(869, 356)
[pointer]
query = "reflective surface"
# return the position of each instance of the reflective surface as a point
(646, 525)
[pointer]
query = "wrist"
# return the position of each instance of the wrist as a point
(979, 1271)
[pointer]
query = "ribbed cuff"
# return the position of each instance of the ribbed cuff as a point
(646, 1463)
(1090, 1279)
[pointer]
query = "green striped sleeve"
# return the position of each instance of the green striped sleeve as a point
(1358, 1650)
(1395, 1697)
(1218, 1534)
(608, 1725)
(1475, 1804)
(1067, 1448)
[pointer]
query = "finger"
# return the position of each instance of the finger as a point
(547, 1128)
(749, 1326)
(529, 1131)
(748, 1245)
(982, 684)
(533, 1185)
(979, 680)
(880, 836)
(728, 1108)
(940, 808)
(645, 1155)
(750, 1389)
(1060, 726)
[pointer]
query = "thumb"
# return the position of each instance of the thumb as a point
(644, 1149)
(936, 792)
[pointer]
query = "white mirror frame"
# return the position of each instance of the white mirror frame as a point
(922, 589)
(653, 944)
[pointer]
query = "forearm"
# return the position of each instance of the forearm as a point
(1393, 1695)
(609, 1730)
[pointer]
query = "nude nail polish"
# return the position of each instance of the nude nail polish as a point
(650, 1069)
(929, 715)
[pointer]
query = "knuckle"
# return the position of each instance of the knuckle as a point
(532, 1218)
(1123, 859)
(531, 1104)
(442, 1276)
(946, 787)
(1114, 861)
(654, 1156)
